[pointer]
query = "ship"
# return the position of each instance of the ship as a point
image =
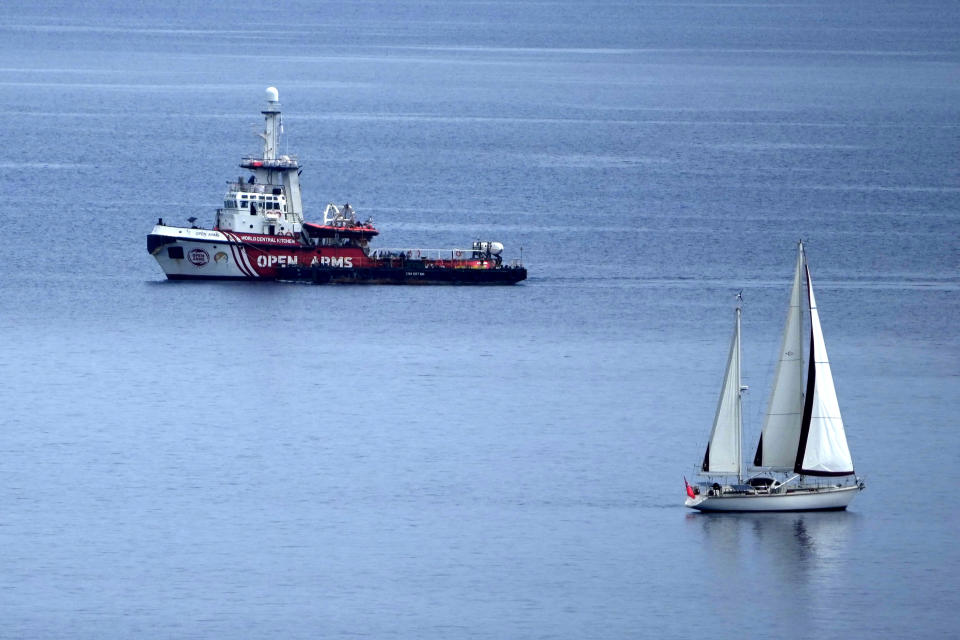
(260, 234)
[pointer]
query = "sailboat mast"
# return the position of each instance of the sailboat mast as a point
(740, 390)
(724, 449)
(777, 448)
(802, 268)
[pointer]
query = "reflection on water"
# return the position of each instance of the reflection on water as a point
(795, 558)
(802, 540)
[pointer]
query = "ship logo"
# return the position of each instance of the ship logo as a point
(199, 257)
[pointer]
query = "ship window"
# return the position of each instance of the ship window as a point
(175, 253)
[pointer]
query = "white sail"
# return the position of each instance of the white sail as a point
(823, 449)
(723, 449)
(777, 448)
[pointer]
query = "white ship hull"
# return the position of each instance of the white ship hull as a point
(815, 499)
(206, 254)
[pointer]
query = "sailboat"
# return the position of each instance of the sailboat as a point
(802, 461)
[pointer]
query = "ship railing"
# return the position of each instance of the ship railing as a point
(283, 162)
(246, 187)
(456, 255)
(783, 482)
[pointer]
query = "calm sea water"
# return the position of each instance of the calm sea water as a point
(260, 461)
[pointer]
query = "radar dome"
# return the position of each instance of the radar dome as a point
(272, 94)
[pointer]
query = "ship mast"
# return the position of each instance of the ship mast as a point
(271, 133)
(269, 169)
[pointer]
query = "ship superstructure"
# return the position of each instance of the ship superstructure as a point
(268, 202)
(260, 233)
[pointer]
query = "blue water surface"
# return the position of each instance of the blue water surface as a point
(238, 460)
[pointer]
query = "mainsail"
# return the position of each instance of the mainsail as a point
(777, 448)
(822, 450)
(723, 449)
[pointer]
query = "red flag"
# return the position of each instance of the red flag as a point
(689, 488)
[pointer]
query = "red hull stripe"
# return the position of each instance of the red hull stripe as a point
(239, 255)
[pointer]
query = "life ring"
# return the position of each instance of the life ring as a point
(458, 253)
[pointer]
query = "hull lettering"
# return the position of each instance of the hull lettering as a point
(276, 261)
(344, 262)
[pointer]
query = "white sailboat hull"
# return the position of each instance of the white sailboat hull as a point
(814, 499)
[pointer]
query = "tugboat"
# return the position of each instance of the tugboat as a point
(260, 234)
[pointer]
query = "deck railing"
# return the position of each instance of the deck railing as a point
(283, 162)
(430, 254)
(246, 187)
